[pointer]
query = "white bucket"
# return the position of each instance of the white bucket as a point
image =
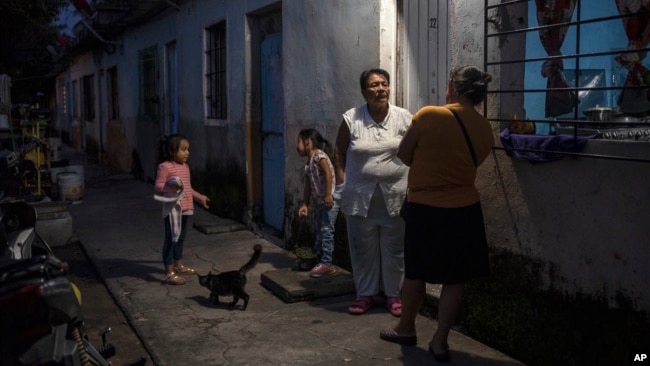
(70, 187)
(79, 169)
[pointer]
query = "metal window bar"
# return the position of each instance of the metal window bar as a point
(558, 25)
(216, 93)
(148, 84)
(575, 122)
(564, 57)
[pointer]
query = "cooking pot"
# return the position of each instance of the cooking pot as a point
(598, 114)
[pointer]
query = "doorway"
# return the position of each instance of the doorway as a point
(171, 90)
(272, 131)
(423, 48)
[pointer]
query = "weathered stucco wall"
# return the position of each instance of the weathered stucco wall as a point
(325, 47)
(584, 218)
(335, 43)
(218, 149)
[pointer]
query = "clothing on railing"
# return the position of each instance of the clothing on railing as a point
(637, 30)
(551, 12)
(541, 148)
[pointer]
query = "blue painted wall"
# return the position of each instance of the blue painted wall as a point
(597, 37)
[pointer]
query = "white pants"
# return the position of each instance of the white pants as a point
(376, 250)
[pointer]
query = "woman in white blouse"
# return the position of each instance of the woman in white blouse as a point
(372, 187)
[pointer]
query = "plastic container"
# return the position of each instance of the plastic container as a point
(70, 187)
(79, 169)
(56, 171)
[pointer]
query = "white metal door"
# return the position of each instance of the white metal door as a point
(423, 46)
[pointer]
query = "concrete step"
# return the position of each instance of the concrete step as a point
(294, 286)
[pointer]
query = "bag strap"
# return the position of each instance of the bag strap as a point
(469, 142)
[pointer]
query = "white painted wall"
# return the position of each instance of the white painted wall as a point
(326, 46)
(333, 45)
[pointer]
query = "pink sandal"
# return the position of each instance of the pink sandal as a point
(361, 305)
(394, 305)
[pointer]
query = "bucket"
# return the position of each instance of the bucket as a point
(70, 187)
(79, 169)
(56, 171)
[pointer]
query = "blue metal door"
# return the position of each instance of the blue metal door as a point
(272, 131)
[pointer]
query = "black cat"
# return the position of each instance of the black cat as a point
(231, 283)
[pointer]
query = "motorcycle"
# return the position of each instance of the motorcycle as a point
(16, 172)
(41, 320)
(18, 238)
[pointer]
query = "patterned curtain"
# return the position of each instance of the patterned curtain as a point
(551, 12)
(637, 29)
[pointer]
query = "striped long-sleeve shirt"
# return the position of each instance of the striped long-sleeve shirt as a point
(169, 169)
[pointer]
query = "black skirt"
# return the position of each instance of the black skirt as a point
(445, 245)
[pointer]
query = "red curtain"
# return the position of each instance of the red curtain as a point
(551, 12)
(83, 7)
(637, 29)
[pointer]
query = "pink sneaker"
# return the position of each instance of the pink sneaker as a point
(321, 269)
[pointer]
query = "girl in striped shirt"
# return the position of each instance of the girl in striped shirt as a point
(174, 189)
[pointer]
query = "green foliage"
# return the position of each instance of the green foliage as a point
(25, 31)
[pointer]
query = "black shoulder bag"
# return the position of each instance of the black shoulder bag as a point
(469, 142)
(403, 210)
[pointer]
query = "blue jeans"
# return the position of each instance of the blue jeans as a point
(173, 251)
(325, 223)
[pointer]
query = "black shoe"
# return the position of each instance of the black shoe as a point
(390, 335)
(440, 357)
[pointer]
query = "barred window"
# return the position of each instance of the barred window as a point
(570, 67)
(113, 96)
(148, 73)
(216, 102)
(88, 97)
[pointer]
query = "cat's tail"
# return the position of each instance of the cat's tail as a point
(253, 261)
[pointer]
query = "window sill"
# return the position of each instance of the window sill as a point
(216, 122)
